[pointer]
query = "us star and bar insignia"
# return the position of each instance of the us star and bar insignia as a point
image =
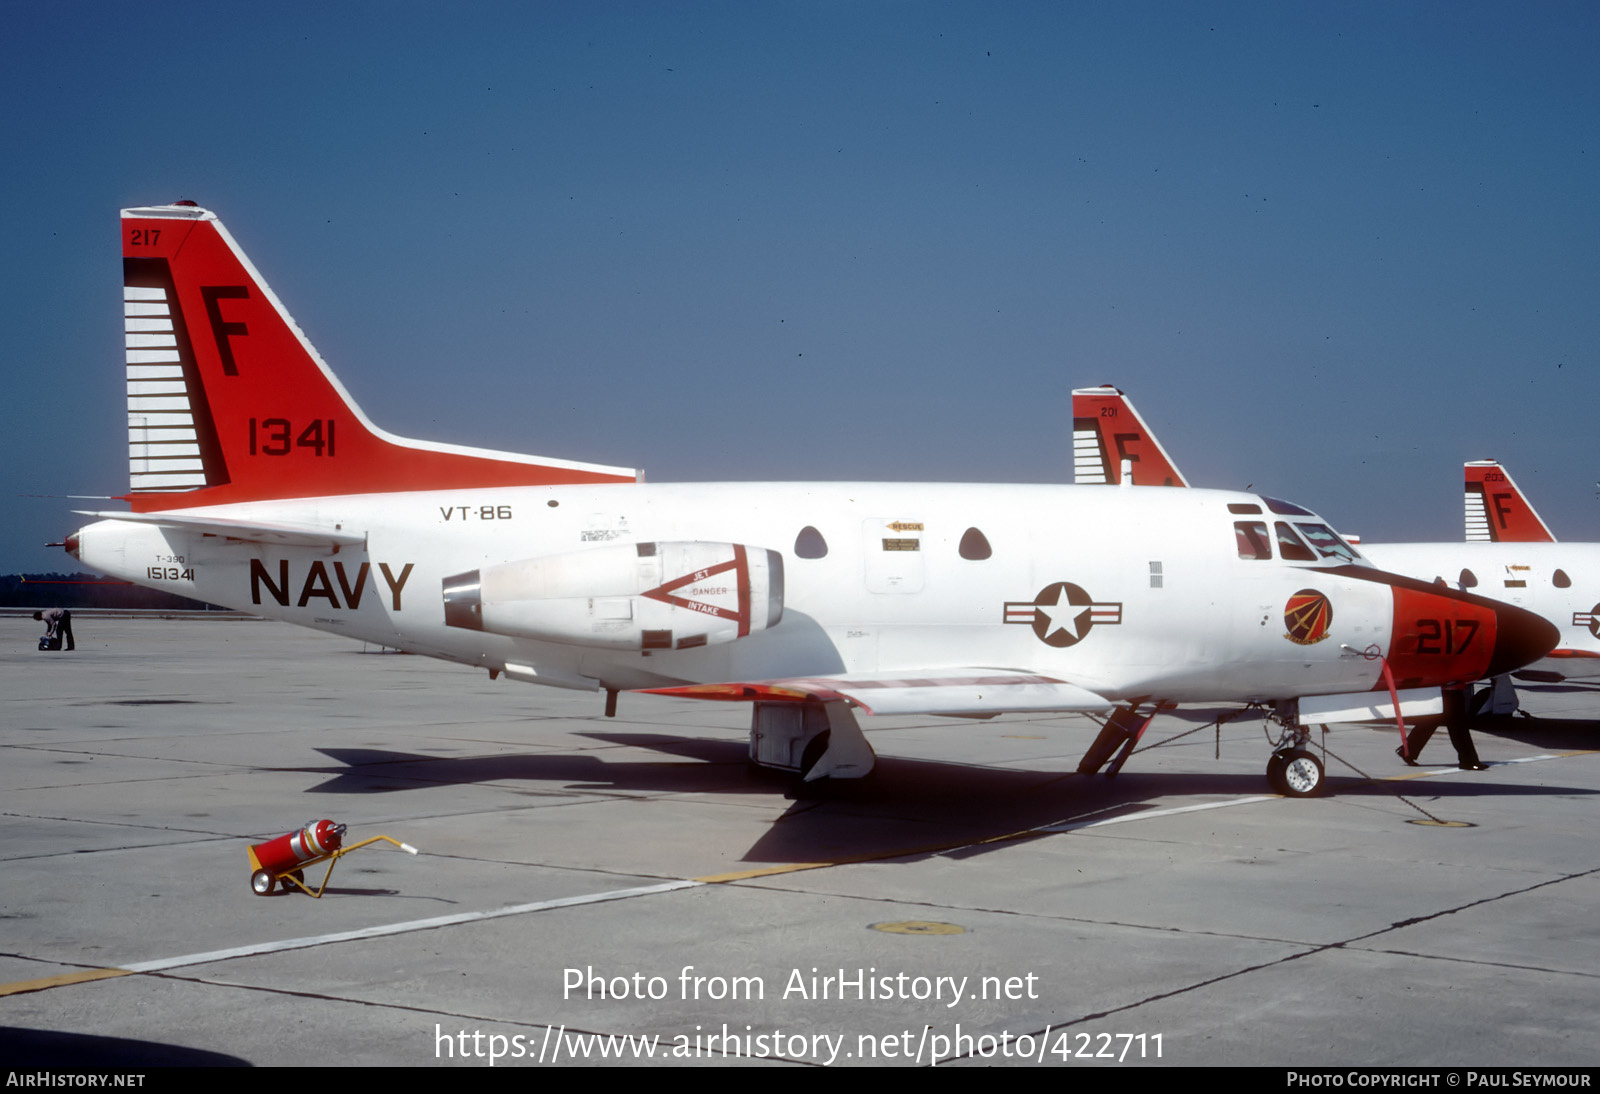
(1062, 614)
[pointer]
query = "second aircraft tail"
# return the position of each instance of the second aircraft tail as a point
(1497, 510)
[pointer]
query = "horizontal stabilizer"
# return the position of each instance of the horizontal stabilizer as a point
(913, 691)
(247, 531)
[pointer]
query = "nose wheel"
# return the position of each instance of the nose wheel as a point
(1295, 773)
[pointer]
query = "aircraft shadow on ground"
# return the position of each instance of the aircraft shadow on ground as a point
(907, 807)
(1555, 734)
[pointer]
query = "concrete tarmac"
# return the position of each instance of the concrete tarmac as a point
(627, 891)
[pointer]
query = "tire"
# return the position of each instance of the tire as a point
(261, 883)
(1275, 766)
(1302, 774)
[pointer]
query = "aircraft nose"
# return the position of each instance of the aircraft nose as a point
(1448, 636)
(71, 544)
(1520, 637)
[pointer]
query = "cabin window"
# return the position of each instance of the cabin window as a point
(1286, 508)
(1243, 508)
(975, 545)
(1468, 580)
(1561, 580)
(1291, 548)
(1252, 537)
(810, 544)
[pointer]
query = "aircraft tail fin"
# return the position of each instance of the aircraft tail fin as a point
(1497, 510)
(1106, 430)
(228, 401)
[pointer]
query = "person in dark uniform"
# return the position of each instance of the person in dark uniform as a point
(58, 624)
(1456, 720)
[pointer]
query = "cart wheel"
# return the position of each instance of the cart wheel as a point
(289, 886)
(261, 882)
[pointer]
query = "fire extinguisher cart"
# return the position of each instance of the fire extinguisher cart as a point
(283, 861)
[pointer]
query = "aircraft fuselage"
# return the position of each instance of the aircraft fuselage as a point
(1129, 593)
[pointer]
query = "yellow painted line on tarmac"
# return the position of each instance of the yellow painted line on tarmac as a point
(853, 860)
(44, 983)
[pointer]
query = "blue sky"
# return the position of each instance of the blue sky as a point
(1331, 250)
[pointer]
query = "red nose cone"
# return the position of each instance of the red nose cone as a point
(1444, 637)
(72, 545)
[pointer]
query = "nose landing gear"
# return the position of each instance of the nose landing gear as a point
(1294, 770)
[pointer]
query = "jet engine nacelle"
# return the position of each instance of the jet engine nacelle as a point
(633, 596)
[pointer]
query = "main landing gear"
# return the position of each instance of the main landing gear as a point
(1294, 770)
(817, 741)
(1119, 735)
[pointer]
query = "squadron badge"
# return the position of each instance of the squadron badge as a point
(1308, 615)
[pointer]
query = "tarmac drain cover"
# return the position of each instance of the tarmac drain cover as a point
(919, 926)
(1442, 824)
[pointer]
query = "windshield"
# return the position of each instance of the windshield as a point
(1328, 543)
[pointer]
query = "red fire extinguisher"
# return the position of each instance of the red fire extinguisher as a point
(280, 856)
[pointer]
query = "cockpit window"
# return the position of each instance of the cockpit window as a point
(1252, 537)
(1327, 542)
(1286, 509)
(1291, 548)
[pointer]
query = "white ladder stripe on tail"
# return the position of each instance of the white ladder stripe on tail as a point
(163, 448)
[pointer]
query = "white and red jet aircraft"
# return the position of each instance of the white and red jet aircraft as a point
(256, 482)
(1509, 553)
(1513, 556)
